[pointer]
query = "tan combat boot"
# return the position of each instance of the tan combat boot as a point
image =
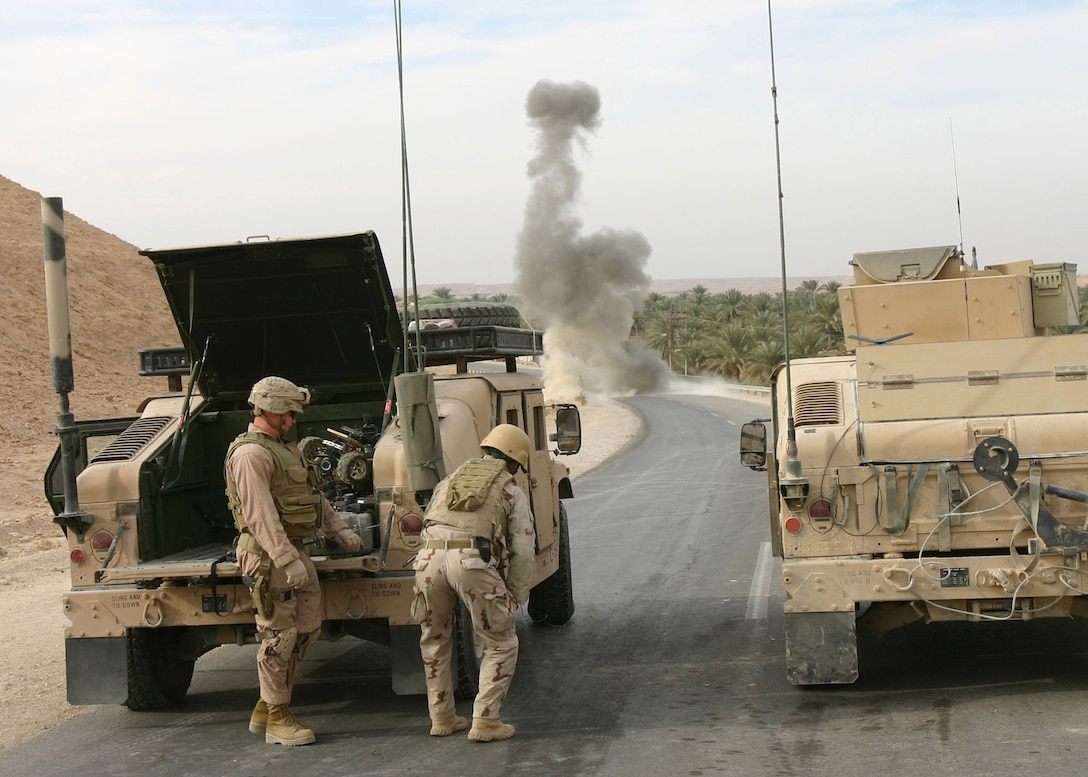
(258, 720)
(446, 726)
(283, 729)
(489, 730)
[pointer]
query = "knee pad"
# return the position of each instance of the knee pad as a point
(280, 645)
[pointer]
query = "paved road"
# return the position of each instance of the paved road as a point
(672, 665)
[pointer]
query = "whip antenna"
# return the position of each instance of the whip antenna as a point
(956, 176)
(408, 239)
(793, 487)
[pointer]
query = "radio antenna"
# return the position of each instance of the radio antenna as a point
(411, 305)
(956, 176)
(793, 488)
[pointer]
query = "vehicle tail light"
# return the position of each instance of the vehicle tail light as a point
(411, 524)
(820, 508)
(793, 524)
(77, 555)
(101, 540)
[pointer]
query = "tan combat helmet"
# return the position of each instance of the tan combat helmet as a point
(510, 441)
(278, 395)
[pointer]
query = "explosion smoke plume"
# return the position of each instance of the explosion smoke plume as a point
(582, 289)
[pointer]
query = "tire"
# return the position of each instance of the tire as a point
(466, 656)
(158, 674)
(312, 450)
(353, 469)
(473, 313)
(552, 601)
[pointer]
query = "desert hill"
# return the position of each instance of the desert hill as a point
(117, 307)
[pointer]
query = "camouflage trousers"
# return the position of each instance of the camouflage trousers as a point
(443, 576)
(290, 632)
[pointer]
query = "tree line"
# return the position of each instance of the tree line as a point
(738, 336)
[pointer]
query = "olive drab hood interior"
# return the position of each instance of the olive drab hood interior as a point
(319, 311)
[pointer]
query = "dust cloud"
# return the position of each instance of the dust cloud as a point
(583, 290)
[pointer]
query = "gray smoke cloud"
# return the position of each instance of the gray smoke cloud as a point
(582, 289)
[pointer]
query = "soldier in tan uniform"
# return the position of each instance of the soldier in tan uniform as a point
(271, 493)
(478, 544)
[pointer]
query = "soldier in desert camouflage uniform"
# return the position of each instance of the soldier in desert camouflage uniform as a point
(478, 543)
(271, 493)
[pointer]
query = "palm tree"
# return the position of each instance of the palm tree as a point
(657, 329)
(728, 352)
(728, 304)
(648, 322)
(824, 318)
(765, 320)
(761, 301)
(805, 343)
(762, 360)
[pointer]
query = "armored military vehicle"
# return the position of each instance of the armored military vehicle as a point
(936, 472)
(154, 585)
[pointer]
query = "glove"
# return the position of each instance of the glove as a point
(297, 576)
(349, 540)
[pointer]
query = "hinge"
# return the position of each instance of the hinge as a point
(897, 382)
(1076, 372)
(983, 377)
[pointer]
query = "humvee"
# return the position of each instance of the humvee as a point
(936, 472)
(154, 583)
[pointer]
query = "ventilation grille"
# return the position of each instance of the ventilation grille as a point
(131, 441)
(818, 404)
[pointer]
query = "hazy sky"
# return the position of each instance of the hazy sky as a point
(176, 123)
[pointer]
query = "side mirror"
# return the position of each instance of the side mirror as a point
(753, 446)
(568, 430)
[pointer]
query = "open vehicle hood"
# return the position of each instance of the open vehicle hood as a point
(318, 311)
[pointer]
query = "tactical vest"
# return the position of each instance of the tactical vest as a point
(472, 499)
(292, 488)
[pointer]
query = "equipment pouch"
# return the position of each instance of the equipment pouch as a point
(262, 597)
(299, 508)
(483, 544)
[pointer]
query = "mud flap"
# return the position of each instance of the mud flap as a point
(406, 661)
(821, 648)
(97, 670)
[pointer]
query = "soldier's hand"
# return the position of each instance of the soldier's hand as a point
(297, 576)
(349, 540)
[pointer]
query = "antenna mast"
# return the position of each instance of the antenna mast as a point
(956, 176)
(793, 487)
(408, 239)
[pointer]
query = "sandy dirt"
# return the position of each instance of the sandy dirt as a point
(117, 307)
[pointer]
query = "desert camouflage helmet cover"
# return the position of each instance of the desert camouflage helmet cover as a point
(510, 441)
(278, 395)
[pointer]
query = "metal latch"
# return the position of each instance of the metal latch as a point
(1047, 281)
